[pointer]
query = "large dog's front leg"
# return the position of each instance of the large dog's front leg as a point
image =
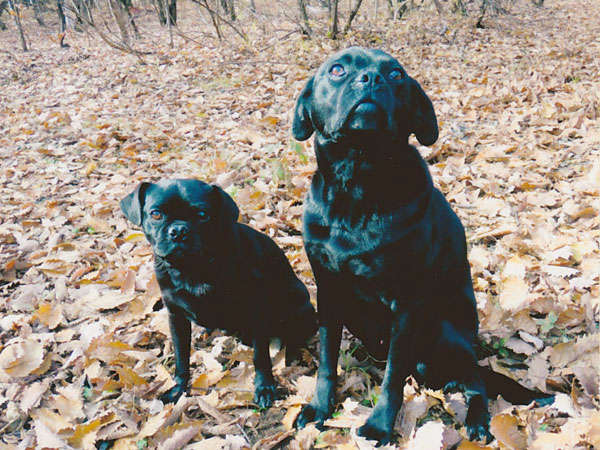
(181, 332)
(264, 384)
(380, 424)
(321, 406)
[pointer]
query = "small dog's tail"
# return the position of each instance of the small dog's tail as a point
(510, 390)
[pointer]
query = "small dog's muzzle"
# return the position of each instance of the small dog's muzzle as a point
(178, 232)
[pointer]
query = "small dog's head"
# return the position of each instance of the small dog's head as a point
(181, 218)
(361, 90)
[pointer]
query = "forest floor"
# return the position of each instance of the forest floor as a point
(84, 347)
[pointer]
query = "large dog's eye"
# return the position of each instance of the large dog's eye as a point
(155, 214)
(337, 71)
(203, 215)
(396, 74)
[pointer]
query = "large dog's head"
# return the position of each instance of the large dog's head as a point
(182, 219)
(361, 90)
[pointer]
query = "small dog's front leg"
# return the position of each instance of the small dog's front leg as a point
(181, 331)
(264, 384)
(321, 406)
(380, 424)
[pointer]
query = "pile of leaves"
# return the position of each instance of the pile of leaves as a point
(84, 343)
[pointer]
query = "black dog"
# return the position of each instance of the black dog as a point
(387, 251)
(220, 274)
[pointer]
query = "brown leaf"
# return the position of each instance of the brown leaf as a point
(505, 428)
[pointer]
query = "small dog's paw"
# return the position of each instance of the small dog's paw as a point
(311, 414)
(374, 432)
(173, 394)
(264, 395)
(479, 432)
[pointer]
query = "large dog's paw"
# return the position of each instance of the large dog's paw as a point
(173, 394)
(264, 395)
(311, 413)
(373, 431)
(545, 400)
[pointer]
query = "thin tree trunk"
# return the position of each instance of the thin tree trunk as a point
(63, 22)
(352, 15)
(37, 13)
(17, 15)
(119, 15)
(460, 6)
(304, 14)
(213, 18)
(3, 7)
(333, 32)
(127, 7)
(160, 10)
(172, 12)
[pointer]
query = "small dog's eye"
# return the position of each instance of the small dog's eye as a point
(156, 214)
(396, 74)
(203, 215)
(337, 71)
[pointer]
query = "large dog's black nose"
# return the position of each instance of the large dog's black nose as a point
(178, 232)
(369, 76)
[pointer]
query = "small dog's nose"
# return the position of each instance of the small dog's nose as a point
(369, 76)
(178, 232)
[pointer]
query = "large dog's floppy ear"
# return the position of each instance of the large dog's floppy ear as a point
(132, 204)
(302, 127)
(424, 123)
(229, 208)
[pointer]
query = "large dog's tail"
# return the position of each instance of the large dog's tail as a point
(510, 390)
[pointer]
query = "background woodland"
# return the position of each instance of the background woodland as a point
(110, 93)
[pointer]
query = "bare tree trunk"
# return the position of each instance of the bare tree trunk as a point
(333, 31)
(37, 13)
(63, 22)
(216, 18)
(160, 10)
(3, 7)
(127, 7)
(302, 7)
(213, 18)
(17, 14)
(229, 9)
(438, 6)
(459, 6)
(119, 14)
(352, 15)
(252, 6)
(172, 12)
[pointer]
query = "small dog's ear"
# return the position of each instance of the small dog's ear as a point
(229, 208)
(132, 204)
(302, 126)
(424, 123)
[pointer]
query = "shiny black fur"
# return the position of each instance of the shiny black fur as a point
(221, 274)
(388, 253)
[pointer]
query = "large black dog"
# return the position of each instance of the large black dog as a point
(387, 251)
(221, 274)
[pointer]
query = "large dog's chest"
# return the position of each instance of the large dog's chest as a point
(368, 246)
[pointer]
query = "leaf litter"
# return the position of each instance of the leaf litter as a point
(84, 347)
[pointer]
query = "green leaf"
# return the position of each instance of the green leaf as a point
(299, 149)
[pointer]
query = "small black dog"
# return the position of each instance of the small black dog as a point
(220, 274)
(388, 253)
